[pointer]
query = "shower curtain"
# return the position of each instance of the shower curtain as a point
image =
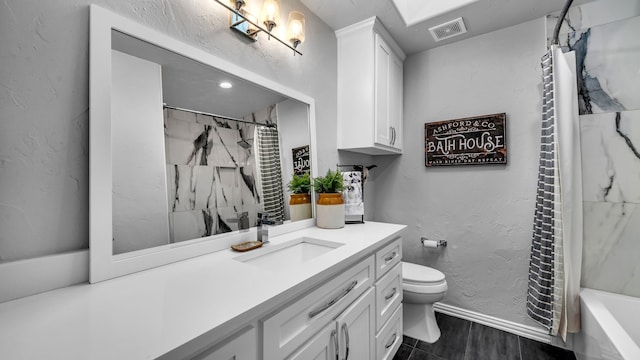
(270, 171)
(556, 249)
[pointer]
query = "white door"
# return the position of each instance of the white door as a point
(395, 101)
(382, 86)
(356, 329)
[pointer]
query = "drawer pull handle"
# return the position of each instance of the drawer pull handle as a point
(345, 330)
(334, 337)
(392, 341)
(390, 135)
(390, 257)
(391, 294)
(329, 304)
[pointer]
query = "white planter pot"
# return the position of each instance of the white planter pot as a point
(330, 216)
(300, 211)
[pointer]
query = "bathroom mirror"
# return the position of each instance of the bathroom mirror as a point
(177, 160)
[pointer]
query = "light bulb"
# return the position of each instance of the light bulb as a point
(270, 14)
(295, 29)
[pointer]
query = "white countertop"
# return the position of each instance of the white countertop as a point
(147, 314)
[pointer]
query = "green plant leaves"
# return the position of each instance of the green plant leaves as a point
(300, 184)
(332, 182)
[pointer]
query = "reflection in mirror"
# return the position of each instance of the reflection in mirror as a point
(191, 159)
(168, 183)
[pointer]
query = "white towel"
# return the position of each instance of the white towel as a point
(353, 193)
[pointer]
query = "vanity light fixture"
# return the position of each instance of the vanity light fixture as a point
(270, 14)
(295, 30)
(244, 21)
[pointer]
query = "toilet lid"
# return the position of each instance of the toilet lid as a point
(420, 274)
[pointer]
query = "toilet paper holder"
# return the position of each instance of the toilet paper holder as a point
(433, 243)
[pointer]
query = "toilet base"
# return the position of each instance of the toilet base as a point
(420, 322)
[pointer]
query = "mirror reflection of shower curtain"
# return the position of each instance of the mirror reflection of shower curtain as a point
(268, 147)
(556, 249)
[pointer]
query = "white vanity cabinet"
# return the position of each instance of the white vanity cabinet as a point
(239, 347)
(349, 336)
(370, 89)
(358, 312)
(388, 290)
(296, 324)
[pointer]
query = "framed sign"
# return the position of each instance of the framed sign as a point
(301, 163)
(476, 140)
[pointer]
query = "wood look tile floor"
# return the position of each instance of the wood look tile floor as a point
(464, 340)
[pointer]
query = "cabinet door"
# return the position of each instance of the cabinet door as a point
(323, 346)
(383, 131)
(396, 101)
(356, 329)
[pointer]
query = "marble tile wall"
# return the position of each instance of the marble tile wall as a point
(604, 36)
(211, 179)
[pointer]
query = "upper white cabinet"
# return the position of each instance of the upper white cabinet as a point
(370, 70)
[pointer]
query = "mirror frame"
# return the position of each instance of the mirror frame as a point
(103, 264)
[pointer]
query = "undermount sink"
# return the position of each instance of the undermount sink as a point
(288, 254)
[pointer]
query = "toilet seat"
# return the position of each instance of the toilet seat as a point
(419, 274)
(422, 279)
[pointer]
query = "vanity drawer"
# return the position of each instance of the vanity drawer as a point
(289, 328)
(389, 339)
(240, 347)
(388, 257)
(388, 295)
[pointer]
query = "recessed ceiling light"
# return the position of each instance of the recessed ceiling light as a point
(226, 85)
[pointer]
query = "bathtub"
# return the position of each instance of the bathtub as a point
(610, 327)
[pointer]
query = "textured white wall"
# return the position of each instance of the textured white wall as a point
(44, 103)
(485, 212)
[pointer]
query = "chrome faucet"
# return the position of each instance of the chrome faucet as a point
(242, 220)
(263, 227)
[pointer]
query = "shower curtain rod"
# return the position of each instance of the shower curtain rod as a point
(556, 30)
(165, 106)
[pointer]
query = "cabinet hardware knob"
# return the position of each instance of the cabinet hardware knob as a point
(390, 257)
(345, 330)
(334, 337)
(390, 295)
(392, 341)
(390, 135)
(333, 301)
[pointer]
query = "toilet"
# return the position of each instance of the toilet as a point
(422, 286)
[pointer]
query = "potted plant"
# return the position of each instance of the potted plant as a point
(330, 205)
(300, 199)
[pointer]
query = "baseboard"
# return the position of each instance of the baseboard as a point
(32, 276)
(526, 331)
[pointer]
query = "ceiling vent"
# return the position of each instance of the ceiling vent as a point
(448, 30)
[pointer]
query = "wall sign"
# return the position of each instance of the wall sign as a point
(301, 163)
(476, 140)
